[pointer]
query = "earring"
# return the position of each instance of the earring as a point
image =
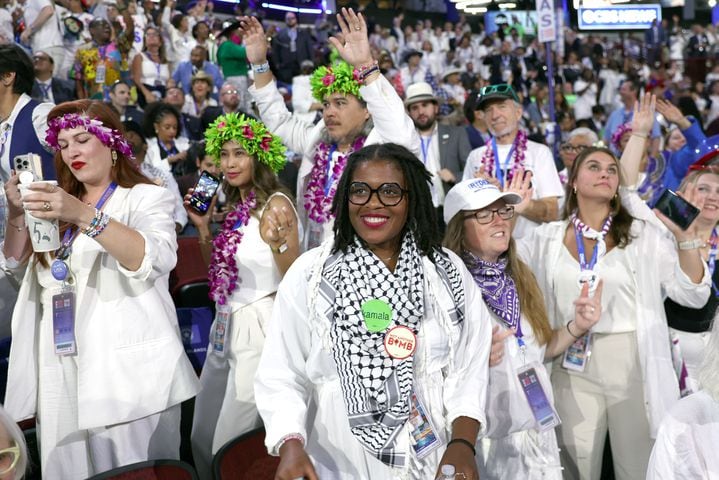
(113, 154)
(575, 189)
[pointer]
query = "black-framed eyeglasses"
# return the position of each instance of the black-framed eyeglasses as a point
(389, 194)
(486, 215)
(9, 458)
(573, 148)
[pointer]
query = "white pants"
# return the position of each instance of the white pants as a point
(608, 395)
(692, 346)
(225, 407)
(527, 455)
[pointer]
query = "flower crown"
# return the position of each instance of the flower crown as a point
(618, 133)
(252, 136)
(109, 137)
(341, 77)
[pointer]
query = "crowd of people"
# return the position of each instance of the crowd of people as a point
(416, 271)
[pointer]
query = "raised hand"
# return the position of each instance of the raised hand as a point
(482, 173)
(199, 221)
(643, 119)
(672, 113)
(254, 40)
(355, 48)
(692, 196)
(521, 184)
(587, 310)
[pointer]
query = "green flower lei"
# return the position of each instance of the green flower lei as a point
(252, 136)
(341, 77)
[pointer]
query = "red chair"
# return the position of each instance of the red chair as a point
(150, 470)
(190, 268)
(245, 458)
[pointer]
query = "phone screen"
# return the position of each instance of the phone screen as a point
(677, 209)
(203, 193)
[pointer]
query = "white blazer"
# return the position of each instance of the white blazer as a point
(153, 152)
(131, 362)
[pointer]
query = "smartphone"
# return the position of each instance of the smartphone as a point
(677, 209)
(30, 162)
(204, 191)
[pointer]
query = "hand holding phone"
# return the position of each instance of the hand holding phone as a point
(203, 192)
(676, 209)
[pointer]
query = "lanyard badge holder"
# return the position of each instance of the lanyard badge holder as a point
(220, 333)
(577, 355)
(535, 390)
(424, 436)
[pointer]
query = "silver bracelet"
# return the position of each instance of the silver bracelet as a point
(261, 68)
(690, 244)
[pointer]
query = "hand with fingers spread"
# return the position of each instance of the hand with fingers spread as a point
(672, 113)
(497, 352)
(521, 184)
(354, 47)
(254, 40)
(482, 173)
(643, 119)
(587, 309)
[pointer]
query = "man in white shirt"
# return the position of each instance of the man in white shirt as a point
(42, 31)
(444, 148)
(509, 150)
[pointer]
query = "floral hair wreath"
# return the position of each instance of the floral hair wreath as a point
(252, 136)
(619, 133)
(341, 77)
(111, 138)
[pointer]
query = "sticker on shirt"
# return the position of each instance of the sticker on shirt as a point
(589, 277)
(424, 437)
(63, 322)
(537, 398)
(220, 333)
(377, 315)
(577, 355)
(400, 343)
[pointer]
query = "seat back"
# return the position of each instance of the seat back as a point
(245, 458)
(150, 470)
(195, 326)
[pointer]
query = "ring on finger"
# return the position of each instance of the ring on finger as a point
(46, 206)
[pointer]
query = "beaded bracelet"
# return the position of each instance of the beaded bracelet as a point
(97, 225)
(288, 437)
(365, 71)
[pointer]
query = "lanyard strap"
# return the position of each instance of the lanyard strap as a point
(425, 149)
(499, 167)
(71, 234)
(329, 174)
(711, 261)
(583, 264)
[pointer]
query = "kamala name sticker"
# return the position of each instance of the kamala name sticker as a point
(377, 315)
(400, 342)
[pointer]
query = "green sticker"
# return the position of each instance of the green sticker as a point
(377, 315)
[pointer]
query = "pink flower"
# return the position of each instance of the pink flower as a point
(356, 75)
(328, 80)
(221, 125)
(265, 145)
(247, 132)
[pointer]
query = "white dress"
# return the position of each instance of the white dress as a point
(298, 390)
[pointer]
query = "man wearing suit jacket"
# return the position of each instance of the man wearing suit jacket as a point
(505, 67)
(444, 148)
(655, 38)
(47, 88)
(289, 48)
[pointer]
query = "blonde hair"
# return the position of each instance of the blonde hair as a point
(531, 300)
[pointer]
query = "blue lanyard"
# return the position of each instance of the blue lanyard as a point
(711, 262)
(171, 151)
(67, 240)
(583, 264)
(499, 169)
(425, 149)
(330, 176)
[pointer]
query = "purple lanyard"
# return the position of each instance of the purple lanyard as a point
(711, 261)
(330, 176)
(71, 234)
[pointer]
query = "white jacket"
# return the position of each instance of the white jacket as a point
(297, 387)
(131, 362)
(657, 275)
(152, 156)
(391, 124)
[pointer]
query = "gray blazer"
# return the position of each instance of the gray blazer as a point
(454, 149)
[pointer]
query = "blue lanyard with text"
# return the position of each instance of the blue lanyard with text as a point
(330, 176)
(583, 264)
(425, 149)
(499, 168)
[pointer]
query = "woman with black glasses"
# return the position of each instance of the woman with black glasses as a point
(374, 366)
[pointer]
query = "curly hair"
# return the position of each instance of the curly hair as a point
(421, 216)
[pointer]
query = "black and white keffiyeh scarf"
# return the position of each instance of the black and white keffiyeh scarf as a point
(376, 387)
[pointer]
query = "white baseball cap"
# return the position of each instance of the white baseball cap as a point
(474, 194)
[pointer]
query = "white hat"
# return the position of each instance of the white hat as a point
(474, 194)
(451, 71)
(419, 92)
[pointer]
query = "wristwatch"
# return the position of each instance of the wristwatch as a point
(261, 68)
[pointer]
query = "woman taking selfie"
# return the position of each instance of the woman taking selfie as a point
(517, 445)
(375, 365)
(617, 378)
(247, 259)
(110, 395)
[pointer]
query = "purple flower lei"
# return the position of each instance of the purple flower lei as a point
(520, 143)
(109, 137)
(618, 134)
(318, 204)
(223, 268)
